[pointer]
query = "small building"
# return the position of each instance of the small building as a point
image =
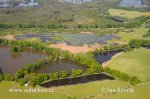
(26, 85)
(131, 3)
(4, 5)
(74, 1)
(32, 3)
(4, 0)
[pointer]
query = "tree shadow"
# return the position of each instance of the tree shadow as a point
(1, 71)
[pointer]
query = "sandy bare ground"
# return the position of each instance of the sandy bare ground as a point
(118, 42)
(75, 49)
(121, 42)
(82, 32)
(108, 62)
(8, 37)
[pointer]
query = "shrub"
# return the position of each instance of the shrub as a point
(22, 81)
(19, 74)
(8, 77)
(76, 73)
(134, 80)
(64, 74)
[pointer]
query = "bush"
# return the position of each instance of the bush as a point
(70, 97)
(8, 77)
(19, 74)
(135, 43)
(56, 76)
(134, 80)
(15, 49)
(123, 76)
(22, 81)
(147, 35)
(1, 77)
(64, 74)
(76, 73)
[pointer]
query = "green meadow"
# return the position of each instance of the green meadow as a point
(127, 14)
(91, 90)
(127, 35)
(135, 63)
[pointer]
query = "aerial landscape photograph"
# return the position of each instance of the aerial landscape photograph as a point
(74, 49)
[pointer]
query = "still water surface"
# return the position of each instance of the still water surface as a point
(11, 63)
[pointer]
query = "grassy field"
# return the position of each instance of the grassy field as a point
(127, 14)
(125, 36)
(90, 90)
(5, 94)
(135, 63)
(52, 11)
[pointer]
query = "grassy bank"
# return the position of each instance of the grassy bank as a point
(134, 63)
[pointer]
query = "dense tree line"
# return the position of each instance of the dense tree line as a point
(137, 43)
(123, 47)
(88, 61)
(7, 77)
(29, 26)
(33, 45)
(55, 76)
(129, 24)
(123, 76)
(29, 68)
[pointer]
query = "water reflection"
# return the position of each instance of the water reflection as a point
(1, 72)
(11, 63)
(60, 65)
(77, 80)
(105, 56)
(70, 38)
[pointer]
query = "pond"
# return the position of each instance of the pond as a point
(9, 63)
(146, 46)
(70, 38)
(60, 65)
(105, 56)
(77, 80)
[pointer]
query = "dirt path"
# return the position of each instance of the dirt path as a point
(75, 49)
(82, 32)
(8, 37)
